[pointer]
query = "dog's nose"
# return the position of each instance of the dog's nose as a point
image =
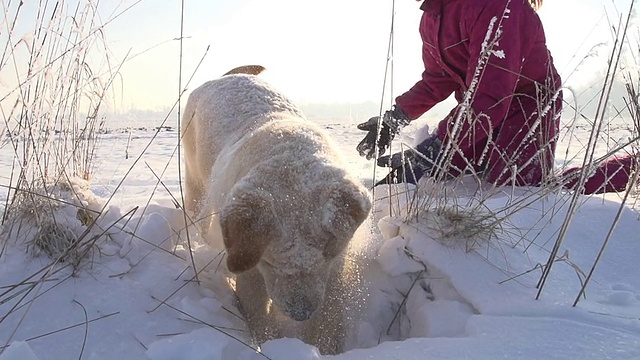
(300, 309)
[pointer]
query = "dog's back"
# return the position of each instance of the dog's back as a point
(232, 98)
(218, 114)
(233, 106)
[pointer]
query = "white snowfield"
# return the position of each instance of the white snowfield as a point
(136, 298)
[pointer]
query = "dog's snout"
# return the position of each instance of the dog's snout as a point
(300, 309)
(298, 295)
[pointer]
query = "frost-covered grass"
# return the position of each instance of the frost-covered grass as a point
(57, 73)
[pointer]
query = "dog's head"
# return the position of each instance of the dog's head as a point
(293, 239)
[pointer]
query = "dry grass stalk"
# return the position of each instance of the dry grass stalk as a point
(589, 154)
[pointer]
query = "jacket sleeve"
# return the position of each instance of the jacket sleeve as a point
(500, 37)
(434, 87)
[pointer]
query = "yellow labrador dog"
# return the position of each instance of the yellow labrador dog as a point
(272, 186)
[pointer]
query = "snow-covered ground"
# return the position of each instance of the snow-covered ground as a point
(431, 293)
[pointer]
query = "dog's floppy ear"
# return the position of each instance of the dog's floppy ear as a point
(355, 200)
(348, 207)
(357, 204)
(246, 69)
(248, 224)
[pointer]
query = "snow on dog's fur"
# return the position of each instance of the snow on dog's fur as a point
(273, 187)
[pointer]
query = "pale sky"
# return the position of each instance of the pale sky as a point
(321, 51)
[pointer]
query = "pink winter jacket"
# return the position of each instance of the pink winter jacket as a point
(518, 74)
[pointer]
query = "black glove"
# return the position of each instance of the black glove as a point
(410, 165)
(392, 121)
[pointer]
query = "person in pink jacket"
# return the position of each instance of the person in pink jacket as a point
(492, 55)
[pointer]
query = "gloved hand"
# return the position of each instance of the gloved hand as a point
(392, 121)
(410, 165)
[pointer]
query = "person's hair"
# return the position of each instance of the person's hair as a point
(535, 4)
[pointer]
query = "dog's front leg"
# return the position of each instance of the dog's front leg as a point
(254, 304)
